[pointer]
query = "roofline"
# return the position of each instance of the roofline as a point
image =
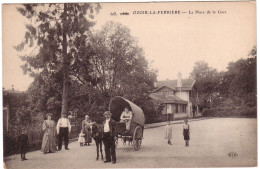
(160, 88)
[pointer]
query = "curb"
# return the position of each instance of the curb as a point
(174, 122)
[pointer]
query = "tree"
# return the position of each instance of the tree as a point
(207, 80)
(118, 64)
(58, 33)
(239, 81)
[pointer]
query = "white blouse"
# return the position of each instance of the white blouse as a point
(185, 126)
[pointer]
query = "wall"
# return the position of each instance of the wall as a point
(184, 95)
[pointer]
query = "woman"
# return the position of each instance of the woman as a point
(86, 126)
(48, 141)
(126, 117)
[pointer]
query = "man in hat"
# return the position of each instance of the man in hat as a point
(63, 129)
(109, 133)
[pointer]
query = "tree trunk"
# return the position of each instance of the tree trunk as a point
(65, 64)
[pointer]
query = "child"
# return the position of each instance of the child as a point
(168, 132)
(23, 144)
(186, 132)
(81, 138)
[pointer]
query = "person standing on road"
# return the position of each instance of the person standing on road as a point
(48, 141)
(168, 132)
(63, 130)
(23, 144)
(109, 134)
(186, 132)
(86, 126)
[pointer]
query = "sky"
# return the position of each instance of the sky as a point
(172, 43)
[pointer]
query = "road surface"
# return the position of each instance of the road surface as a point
(211, 141)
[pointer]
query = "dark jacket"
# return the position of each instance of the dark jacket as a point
(23, 142)
(112, 127)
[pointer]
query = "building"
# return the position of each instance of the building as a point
(12, 101)
(179, 96)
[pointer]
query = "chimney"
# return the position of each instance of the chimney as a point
(12, 87)
(179, 80)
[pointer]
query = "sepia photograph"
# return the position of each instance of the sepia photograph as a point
(129, 85)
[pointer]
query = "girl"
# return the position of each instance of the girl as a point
(168, 132)
(186, 132)
(81, 138)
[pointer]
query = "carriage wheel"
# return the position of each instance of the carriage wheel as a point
(137, 138)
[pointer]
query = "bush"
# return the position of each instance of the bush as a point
(241, 111)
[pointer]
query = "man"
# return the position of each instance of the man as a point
(63, 129)
(23, 144)
(109, 133)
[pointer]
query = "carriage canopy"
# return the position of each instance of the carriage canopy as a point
(117, 105)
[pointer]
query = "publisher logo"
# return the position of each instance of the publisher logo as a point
(233, 154)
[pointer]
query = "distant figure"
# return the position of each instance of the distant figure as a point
(63, 129)
(23, 144)
(86, 126)
(48, 141)
(81, 138)
(186, 132)
(126, 117)
(109, 137)
(168, 132)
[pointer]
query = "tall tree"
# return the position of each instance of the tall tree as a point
(239, 81)
(57, 33)
(118, 64)
(207, 80)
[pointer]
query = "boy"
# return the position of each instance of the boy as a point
(23, 144)
(186, 132)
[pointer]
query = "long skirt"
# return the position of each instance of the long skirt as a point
(88, 137)
(48, 142)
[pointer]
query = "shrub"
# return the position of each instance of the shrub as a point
(241, 111)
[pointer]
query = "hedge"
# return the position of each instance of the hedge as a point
(230, 112)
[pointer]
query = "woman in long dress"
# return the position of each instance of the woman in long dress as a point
(86, 126)
(168, 132)
(48, 141)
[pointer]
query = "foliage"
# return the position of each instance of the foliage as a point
(118, 66)
(57, 32)
(239, 81)
(207, 81)
(234, 111)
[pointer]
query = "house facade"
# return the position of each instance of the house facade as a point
(178, 96)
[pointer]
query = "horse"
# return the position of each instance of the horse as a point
(97, 135)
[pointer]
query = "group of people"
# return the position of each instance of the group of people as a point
(186, 132)
(108, 132)
(63, 129)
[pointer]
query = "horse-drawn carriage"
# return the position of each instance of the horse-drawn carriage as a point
(135, 135)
